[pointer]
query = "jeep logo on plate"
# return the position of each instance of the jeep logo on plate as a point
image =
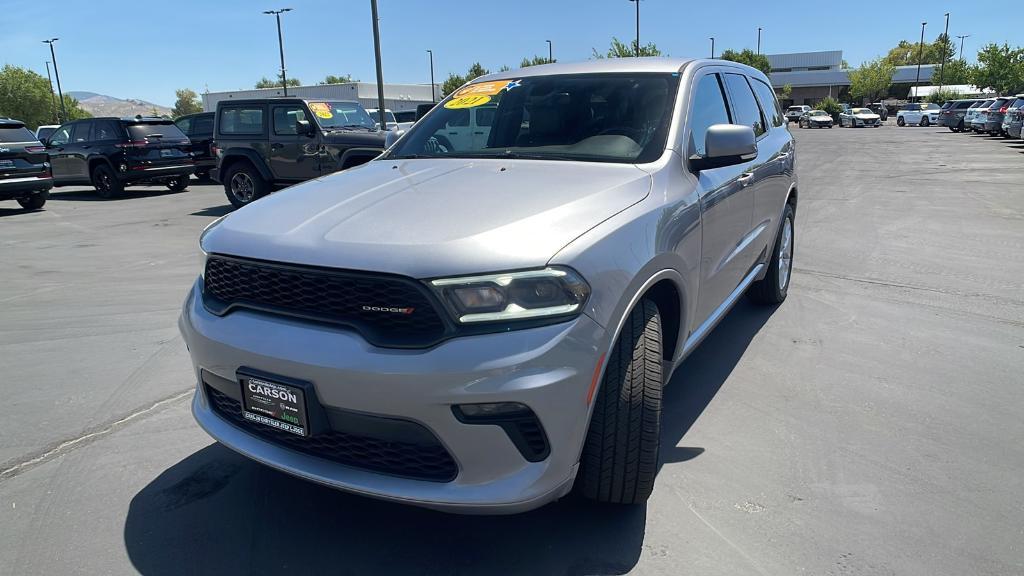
(388, 309)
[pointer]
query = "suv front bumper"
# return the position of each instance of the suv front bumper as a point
(549, 369)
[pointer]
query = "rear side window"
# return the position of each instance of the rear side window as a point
(769, 104)
(80, 132)
(106, 130)
(240, 120)
(185, 125)
(485, 116)
(203, 125)
(708, 109)
(744, 106)
(16, 134)
(166, 131)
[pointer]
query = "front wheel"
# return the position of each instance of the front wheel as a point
(178, 184)
(35, 201)
(105, 182)
(924, 122)
(772, 289)
(620, 456)
(901, 122)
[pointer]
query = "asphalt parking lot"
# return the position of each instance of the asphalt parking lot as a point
(869, 425)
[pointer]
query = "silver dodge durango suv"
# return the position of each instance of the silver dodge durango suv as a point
(481, 326)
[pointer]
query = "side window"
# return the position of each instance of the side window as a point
(285, 118)
(460, 119)
(202, 125)
(185, 125)
(769, 104)
(708, 109)
(485, 115)
(106, 130)
(744, 106)
(61, 136)
(241, 120)
(80, 133)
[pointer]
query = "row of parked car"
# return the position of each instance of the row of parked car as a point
(1002, 116)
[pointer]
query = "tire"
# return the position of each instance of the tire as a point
(960, 126)
(35, 201)
(105, 182)
(772, 289)
(900, 121)
(924, 122)
(243, 184)
(178, 184)
(620, 455)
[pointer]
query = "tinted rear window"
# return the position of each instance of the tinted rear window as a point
(241, 121)
(203, 125)
(166, 131)
(19, 134)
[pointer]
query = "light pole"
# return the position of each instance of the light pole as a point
(380, 73)
(962, 44)
(53, 99)
(920, 56)
(712, 38)
(280, 44)
(60, 93)
(637, 27)
(758, 39)
(945, 44)
(551, 57)
(433, 98)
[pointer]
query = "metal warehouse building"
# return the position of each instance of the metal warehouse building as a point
(815, 75)
(397, 97)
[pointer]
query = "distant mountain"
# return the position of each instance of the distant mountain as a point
(103, 105)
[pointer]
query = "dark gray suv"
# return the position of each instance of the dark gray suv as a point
(480, 324)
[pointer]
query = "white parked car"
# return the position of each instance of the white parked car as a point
(857, 117)
(389, 116)
(918, 114)
(793, 113)
(44, 131)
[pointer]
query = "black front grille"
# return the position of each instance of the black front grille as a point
(421, 461)
(389, 311)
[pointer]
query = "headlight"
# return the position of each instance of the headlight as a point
(509, 296)
(202, 251)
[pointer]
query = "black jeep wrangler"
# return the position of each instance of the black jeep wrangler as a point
(267, 143)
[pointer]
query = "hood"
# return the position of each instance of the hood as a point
(820, 118)
(432, 217)
(864, 116)
(355, 138)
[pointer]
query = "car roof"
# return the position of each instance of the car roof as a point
(598, 66)
(9, 123)
(281, 99)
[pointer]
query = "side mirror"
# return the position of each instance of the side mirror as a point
(304, 128)
(392, 136)
(726, 145)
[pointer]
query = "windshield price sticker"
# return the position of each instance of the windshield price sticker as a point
(321, 109)
(483, 89)
(466, 102)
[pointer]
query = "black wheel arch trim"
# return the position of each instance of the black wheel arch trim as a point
(232, 155)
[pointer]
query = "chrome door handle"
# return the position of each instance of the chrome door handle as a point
(783, 155)
(745, 179)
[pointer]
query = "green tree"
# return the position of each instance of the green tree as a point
(187, 103)
(454, 81)
(1000, 68)
(943, 95)
(906, 52)
(475, 71)
(955, 72)
(619, 49)
(871, 80)
(268, 83)
(830, 105)
(748, 57)
(25, 95)
(535, 61)
(332, 79)
(786, 93)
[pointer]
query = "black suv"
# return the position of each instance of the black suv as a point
(24, 168)
(199, 129)
(269, 142)
(111, 153)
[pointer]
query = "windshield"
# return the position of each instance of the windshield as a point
(796, 108)
(342, 116)
(589, 117)
(862, 111)
(168, 131)
(44, 132)
(817, 113)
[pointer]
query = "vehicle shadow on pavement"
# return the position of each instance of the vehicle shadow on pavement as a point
(130, 194)
(214, 211)
(216, 512)
(15, 211)
(699, 378)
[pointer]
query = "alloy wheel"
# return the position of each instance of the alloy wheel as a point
(785, 253)
(242, 187)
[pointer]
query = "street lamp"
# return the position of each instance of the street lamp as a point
(637, 27)
(551, 57)
(433, 99)
(280, 44)
(945, 43)
(60, 93)
(758, 39)
(920, 56)
(53, 98)
(962, 44)
(712, 38)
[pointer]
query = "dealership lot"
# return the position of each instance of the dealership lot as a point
(869, 425)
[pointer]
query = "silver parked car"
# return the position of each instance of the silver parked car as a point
(481, 327)
(816, 119)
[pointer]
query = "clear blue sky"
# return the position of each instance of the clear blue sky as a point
(230, 44)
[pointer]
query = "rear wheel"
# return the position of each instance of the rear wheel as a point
(620, 456)
(105, 182)
(178, 184)
(35, 201)
(243, 184)
(772, 289)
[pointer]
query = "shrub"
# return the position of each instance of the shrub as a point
(830, 105)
